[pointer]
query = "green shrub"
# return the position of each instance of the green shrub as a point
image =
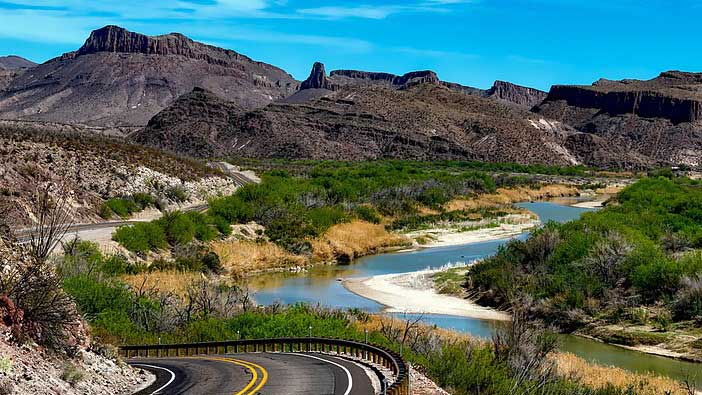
(94, 296)
(323, 218)
(144, 200)
(232, 209)
(368, 214)
(178, 228)
(176, 194)
(205, 229)
(141, 237)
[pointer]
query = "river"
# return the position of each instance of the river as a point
(321, 286)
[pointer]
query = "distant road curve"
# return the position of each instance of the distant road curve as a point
(86, 231)
(257, 373)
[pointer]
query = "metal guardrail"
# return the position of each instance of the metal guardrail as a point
(366, 351)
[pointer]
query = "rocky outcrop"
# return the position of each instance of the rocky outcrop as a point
(673, 95)
(521, 95)
(643, 103)
(657, 122)
(120, 78)
(396, 81)
(504, 91)
(317, 79)
(116, 39)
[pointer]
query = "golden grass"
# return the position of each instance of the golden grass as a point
(175, 282)
(241, 257)
(503, 197)
(352, 240)
(598, 376)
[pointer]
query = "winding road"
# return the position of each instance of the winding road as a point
(254, 374)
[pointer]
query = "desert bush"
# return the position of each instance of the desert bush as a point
(176, 194)
(5, 365)
(72, 374)
(688, 300)
(126, 206)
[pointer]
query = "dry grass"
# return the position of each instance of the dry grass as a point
(352, 240)
(598, 376)
(175, 282)
(505, 197)
(242, 257)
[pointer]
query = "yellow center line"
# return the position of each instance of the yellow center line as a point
(264, 377)
(248, 365)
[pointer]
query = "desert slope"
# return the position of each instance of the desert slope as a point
(121, 78)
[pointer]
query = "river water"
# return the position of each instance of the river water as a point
(321, 286)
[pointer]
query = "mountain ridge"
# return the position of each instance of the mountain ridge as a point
(122, 78)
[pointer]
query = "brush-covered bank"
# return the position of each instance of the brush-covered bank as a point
(334, 212)
(628, 274)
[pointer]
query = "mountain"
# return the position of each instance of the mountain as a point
(12, 66)
(515, 94)
(320, 84)
(13, 62)
(121, 78)
(352, 122)
(658, 120)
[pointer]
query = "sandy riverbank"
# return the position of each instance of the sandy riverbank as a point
(507, 226)
(414, 293)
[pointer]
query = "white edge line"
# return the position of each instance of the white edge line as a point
(348, 374)
(162, 368)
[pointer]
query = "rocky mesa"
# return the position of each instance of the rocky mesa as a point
(657, 119)
(122, 78)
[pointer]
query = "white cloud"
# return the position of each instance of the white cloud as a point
(368, 12)
(380, 11)
(434, 53)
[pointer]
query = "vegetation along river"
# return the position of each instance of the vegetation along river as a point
(321, 285)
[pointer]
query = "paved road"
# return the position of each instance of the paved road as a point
(254, 374)
(103, 230)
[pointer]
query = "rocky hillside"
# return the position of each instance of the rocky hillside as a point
(123, 78)
(13, 62)
(516, 94)
(318, 80)
(30, 365)
(424, 121)
(94, 168)
(658, 120)
(11, 67)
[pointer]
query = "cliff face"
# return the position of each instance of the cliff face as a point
(505, 91)
(643, 103)
(660, 120)
(121, 78)
(395, 81)
(521, 95)
(673, 95)
(117, 39)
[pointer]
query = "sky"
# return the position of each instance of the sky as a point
(535, 43)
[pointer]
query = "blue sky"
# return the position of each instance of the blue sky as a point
(474, 42)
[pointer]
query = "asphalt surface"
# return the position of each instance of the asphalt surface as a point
(275, 374)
